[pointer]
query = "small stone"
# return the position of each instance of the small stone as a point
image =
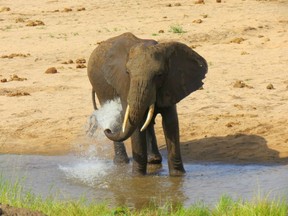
(177, 4)
(17, 94)
(15, 77)
(198, 21)
(81, 9)
(70, 61)
(80, 61)
(237, 40)
(241, 84)
(51, 70)
(169, 5)
(4, 9)
(230, 124)
(161, 31)
(244, 53)
(35, 23)
(3, 80)
(270, 86)
(199, 2)
(80, 66)
(67, 10)
(218, 1)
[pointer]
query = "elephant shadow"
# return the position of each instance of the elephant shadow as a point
(231, 149)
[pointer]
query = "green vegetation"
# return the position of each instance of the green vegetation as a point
(14, 195)
(177, 29)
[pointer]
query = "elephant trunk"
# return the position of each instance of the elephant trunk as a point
(141, 97)
(120, 136)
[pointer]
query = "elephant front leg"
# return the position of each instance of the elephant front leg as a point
(139, 152)
(154, 156)
(121, 156)
(171, 131)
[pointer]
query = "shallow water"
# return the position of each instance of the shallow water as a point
(71, 177)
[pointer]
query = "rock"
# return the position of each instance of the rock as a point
(80, 66)
(199, 2)
(35, 23)
(270, 86)
(10, 210)
(80, 61)
(16, 55)
(81, 9)
(241, 84)
(237, 40)
(198, 21)
(67, 10)
(4, 9)
(18, 93)
(51, 70)
(15, 77)
(70, 61)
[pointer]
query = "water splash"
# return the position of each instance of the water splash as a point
(91, 172)
(91, 168)
(108, 116)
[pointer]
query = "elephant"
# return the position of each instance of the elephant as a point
(149, 78)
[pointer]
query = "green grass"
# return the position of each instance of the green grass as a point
(14, 195)
(177, 29)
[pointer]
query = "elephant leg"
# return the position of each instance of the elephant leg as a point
(171, 131)
(121, 156)
(154, 156)
(139, 152)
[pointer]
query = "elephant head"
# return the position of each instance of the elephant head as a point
(152, 75)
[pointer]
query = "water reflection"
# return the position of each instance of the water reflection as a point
(142, 191)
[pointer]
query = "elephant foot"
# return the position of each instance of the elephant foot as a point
(139, 170)
(176, 172)
(154, 159)
(118, 160)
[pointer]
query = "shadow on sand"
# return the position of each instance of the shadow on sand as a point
(232, 149)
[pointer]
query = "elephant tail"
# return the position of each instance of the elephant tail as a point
(94, 100)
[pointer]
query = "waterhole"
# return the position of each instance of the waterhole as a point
(71, 177)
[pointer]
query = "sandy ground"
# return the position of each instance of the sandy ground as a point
(239, 116)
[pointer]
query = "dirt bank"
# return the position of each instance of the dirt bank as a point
(240, 115)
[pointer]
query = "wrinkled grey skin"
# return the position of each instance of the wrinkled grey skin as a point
(141, 73)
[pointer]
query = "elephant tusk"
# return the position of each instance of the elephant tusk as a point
(149, 117)
(125, 119)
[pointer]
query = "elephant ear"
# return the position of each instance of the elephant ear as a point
(114, 67)
(185, 71)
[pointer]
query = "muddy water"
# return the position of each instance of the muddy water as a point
(71, 177)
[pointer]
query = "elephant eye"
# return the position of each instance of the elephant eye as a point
(127, 72)
(159, 78)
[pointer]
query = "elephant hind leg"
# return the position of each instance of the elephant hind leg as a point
(120, 156)
(154, 156)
